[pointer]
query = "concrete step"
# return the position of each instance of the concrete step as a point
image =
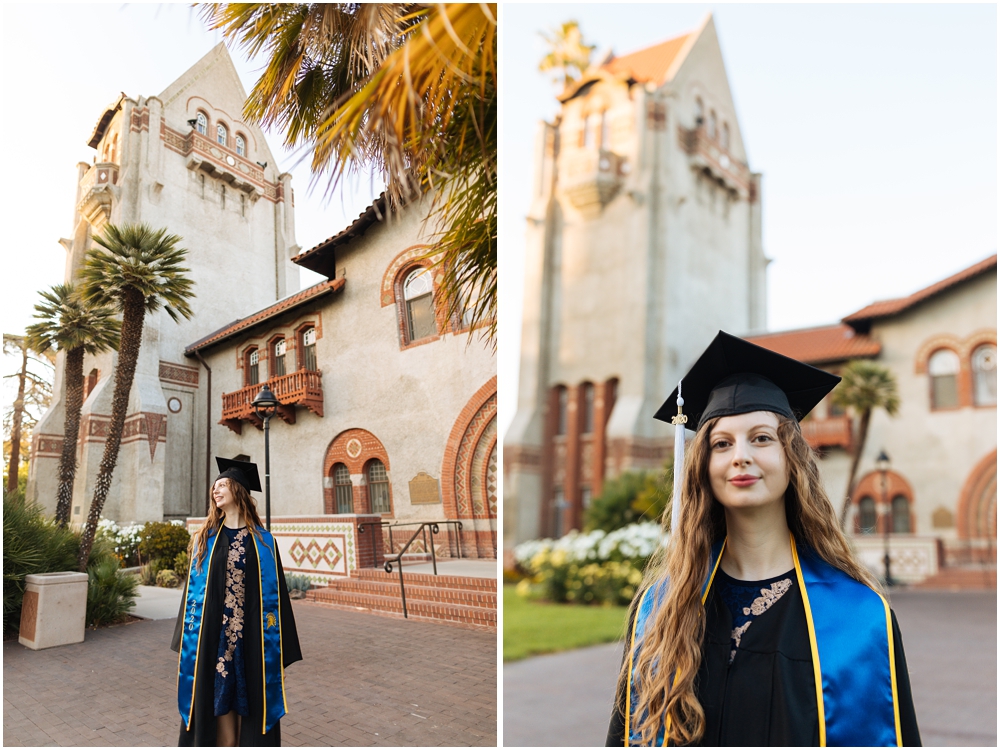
(961, 579)
(465, 597)
(482, 617)
(468, 583)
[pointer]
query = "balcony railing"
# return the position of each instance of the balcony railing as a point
(302, 388)
(708, 153)
(833, 432)
(592, 177)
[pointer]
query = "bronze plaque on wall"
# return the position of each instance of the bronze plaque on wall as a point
(424, 490)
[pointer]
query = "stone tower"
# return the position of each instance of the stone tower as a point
(643, 240)
(184, 160)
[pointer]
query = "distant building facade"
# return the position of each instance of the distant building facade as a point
(643, 240)
(939, 498)
(184, 160)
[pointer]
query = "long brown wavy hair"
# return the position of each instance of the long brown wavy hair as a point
(668, 661)
(248, 510)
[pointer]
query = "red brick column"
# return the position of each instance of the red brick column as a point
(571, 488)
(368, 542)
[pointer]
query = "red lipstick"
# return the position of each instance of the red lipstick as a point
(744, 480)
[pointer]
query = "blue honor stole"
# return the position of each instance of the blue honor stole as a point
(270, 611)
(853, 661)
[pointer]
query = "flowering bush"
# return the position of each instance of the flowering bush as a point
(124, 539)
(592, 567)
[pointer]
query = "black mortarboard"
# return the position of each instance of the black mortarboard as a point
(240, 471)
(733, 376)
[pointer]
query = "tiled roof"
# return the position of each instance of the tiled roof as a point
(649, 64)
(884, 308)
(819, 345)
(321, 258)
(281, 306)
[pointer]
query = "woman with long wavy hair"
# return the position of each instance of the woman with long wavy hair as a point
(755, 625)
(235, 631)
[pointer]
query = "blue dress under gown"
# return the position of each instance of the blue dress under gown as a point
(230, 671)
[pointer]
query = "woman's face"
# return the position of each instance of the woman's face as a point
(747, 466)
(222, 495)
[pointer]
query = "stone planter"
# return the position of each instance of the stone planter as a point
(54, 612)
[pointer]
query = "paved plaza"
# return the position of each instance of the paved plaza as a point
(951, 652)
(364, 680)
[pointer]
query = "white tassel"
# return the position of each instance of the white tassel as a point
(679, 422)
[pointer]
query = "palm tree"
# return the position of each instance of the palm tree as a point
(67, 322)
(33, 394)
(136, 269)
(568, 55)
(405, 90)
(865, 387)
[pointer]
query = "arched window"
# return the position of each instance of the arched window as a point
(378, 487)
(725, 135)
(563, 407)
(418, 296)
(221, 134)
(867, 519)
(252, 367)
(343, 489)
(90, 383)
(900, 515)
(984, 375)
(588, 408)
(943, 368)
(712, 123)
(278, 358)
(201, 123)
(241, 146)
(308, 361)
(699, 112)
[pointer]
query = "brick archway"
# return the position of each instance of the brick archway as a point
(354, 448)
(977, 505)
(469, 487)
(871, 486)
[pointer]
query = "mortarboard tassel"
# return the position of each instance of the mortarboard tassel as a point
(678, 421)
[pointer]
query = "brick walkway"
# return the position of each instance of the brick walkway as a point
(951, 653)
(365, 680)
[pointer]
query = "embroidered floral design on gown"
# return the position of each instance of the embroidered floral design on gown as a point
(749, 599)
(230, 677)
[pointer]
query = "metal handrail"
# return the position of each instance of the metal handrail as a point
(422, 527)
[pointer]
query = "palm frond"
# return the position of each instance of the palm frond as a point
(66, 321)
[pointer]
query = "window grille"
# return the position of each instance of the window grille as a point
(984, 375)
(221, 134)
(943, 368)
(202, 123)
(900, 515)
(241, 146)
(253, 371)
(867, 519)
(418, 293)
(378, 487)
(344, 490)
(588, 408)
(309, 349)
(279, 357)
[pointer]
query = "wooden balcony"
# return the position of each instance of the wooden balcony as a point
(834, 432)
(302, 388)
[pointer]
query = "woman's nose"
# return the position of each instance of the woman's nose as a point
(741, 452)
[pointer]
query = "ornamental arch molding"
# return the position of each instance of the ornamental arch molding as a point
(411, 256)
(469, 472)
(871, 486)
(977, 505)
(354, 448)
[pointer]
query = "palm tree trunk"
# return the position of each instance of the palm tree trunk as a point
(128, 355)
(73, 373)
(14, 467)
(859, 449)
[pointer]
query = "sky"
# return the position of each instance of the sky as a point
(874, 127)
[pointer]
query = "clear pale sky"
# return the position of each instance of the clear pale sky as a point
(874, 126)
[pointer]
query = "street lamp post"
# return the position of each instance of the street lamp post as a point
(882, 464)
(264, 406)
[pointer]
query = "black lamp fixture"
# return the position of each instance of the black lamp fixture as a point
(882, 464)
(265, 406)
(193, 122)
(262, 164)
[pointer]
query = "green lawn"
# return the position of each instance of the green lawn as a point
(538, 628)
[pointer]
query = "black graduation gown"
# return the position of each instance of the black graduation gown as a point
(202, 733)
(767, 696)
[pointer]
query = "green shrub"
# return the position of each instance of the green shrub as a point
(162, 540)
(32, 543)
(167, 579)
(124, 539)
(299, 582)
(110, 593)
(181, 565)
(630, 498)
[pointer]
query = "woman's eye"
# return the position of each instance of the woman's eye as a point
(720, 444)
(763, 438)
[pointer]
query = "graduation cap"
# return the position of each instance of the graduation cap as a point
(243, 472)
(733, 376)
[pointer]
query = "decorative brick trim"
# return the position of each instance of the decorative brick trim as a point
(933, 344)
(47, 446)
(388, 294)
(402, 324)
(365, 446)
(871, 486)
(139, 120)
(171, 372)
(977, 503)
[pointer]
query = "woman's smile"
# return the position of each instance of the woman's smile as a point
(744, 480)
(746, 465)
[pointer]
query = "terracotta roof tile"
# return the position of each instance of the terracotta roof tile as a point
(321, 258)
(888, 307)
(279, 307)
(819, 345)
(649, 64)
